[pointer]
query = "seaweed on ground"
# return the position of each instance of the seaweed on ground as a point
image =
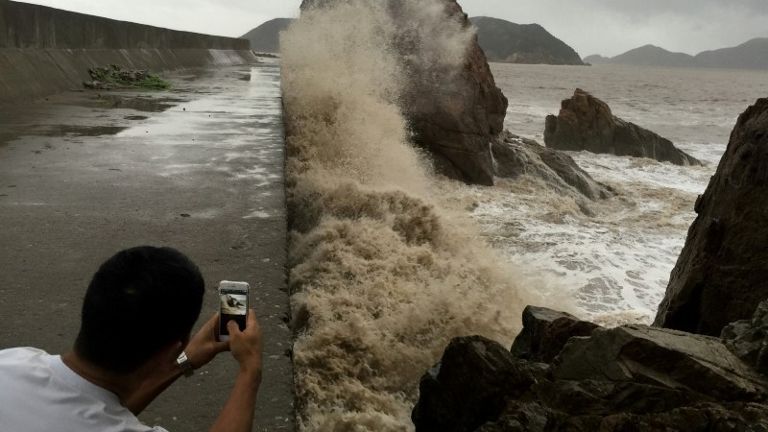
(113, 76)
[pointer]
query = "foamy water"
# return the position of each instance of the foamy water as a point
(616, 263)
(383, 273)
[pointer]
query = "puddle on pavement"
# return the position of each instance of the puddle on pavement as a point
(137, 103)
(71, 130)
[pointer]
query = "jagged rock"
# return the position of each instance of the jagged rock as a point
(721, 275)
(545, 332)
(667, 358)
(587, 123)
(748, 339)
(453, 112)
(515, 156)
(631, 378)
(495, 375)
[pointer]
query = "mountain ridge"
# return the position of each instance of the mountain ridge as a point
(505, 41)
(502, 41)
(752, 54)
(266, 36)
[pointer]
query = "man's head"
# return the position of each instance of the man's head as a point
(138, 302)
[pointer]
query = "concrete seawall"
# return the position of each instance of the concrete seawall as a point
(44, 50)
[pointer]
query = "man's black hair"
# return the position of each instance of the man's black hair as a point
(138, 302)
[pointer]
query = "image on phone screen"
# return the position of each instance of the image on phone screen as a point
(234, 307)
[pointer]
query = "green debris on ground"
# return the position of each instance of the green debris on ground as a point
(114, 76)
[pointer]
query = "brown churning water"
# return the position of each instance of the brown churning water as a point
(383, 272)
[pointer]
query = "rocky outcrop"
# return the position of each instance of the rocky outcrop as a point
(587, 123)
(631, 378)
(721, 275)
(454, 114)
(748, 339)
(545, 332)
(515, 156)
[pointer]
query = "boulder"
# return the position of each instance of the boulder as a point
(587, 123)
(631, 378)
(453, 112)
(514, 156)
(545, 332)
(721, 275)
(661, 357)
(470, 385)
(748, 339)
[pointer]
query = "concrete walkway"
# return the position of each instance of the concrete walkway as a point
(199, 168)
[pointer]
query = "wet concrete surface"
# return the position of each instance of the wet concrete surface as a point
(198, 168)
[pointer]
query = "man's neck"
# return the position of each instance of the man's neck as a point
(120, 385)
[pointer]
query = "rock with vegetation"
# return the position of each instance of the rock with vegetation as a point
(630, 378)
(114, 76)
(505, 41)
(515, 156)
(587, 123)
(721, 275)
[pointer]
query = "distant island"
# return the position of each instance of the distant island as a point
(505, 41)
(502, 41)
(752, 54)
(266, 37)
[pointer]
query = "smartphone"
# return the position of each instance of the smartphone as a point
(233, 306)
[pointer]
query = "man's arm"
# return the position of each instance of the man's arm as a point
(202, 348)
(238, 412)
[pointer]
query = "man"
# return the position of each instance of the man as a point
(134, 342)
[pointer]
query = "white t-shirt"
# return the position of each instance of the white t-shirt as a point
(39, 393)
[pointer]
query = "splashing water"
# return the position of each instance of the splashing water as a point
(382, 272)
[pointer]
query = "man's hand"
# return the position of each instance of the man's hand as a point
(203, 347)
(246, 346)
(237, 415)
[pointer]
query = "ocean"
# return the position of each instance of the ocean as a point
(389, 262)
(617, 262)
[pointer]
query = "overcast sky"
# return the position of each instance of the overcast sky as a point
(607, 27)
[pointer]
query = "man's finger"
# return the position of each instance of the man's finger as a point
(251, 320)
(232, 327)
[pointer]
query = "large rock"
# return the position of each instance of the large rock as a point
(721, 275)
(515, 156)
(587, 123)
(748, 339)
(631, 378)
(661, 357)
(454, 400)
(545, 333)
(453, 112)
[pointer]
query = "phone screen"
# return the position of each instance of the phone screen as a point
(234, 307)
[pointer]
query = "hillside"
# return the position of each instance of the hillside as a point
(266, 37)
(749, 55)
(752, 54)
(504, 41)
(650, 55)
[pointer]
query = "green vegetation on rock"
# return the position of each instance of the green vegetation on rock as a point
(115, 76)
